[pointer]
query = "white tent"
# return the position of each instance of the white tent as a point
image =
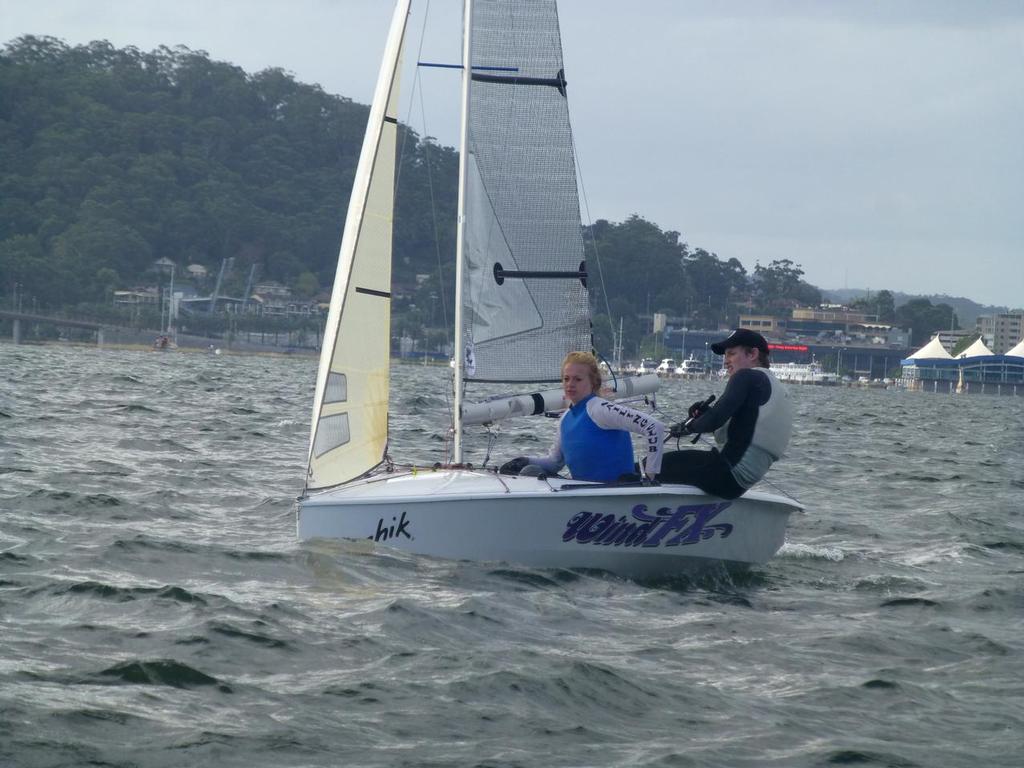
(932, 350)
(977, 349)
(1017, 351)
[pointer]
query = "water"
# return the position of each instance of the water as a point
(156, 610)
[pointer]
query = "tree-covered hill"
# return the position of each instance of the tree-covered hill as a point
(113, 158)
(967, 310)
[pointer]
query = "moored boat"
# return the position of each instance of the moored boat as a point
(692, 368)
(804, 373)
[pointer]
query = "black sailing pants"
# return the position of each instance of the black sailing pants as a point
(705, 469)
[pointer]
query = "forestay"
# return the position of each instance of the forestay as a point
(350, 409)
(522, 206)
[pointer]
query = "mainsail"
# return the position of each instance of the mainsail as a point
(350, 408)
(525, 302)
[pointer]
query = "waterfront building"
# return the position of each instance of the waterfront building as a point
(950, 339)
(137, 297)
(933, 350)
(833, 313)
(766, 325)
(976, 369)
(831, 322)
(1009, 328)
(1001, 331)
(977, 349)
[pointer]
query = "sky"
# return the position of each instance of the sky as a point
(877, 144)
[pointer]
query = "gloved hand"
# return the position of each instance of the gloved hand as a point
(514, 466)
(680, 429)
(698, 409)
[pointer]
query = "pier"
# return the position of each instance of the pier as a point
(17, 318)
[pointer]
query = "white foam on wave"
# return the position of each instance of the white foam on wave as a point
(944, 552)
(811, 552)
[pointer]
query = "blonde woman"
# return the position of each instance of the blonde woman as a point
(593, 434)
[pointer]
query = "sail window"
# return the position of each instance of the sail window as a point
(331, 432)
(337, 388)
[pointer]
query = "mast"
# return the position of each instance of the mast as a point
(618, 349)
(248, 287)
(460, 229)
(216, 287)
(170, 301)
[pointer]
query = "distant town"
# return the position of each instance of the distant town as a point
(837, 340)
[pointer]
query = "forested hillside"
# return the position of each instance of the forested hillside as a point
(113, 158)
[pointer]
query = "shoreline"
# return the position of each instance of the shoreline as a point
(184, 348)
(192, 349)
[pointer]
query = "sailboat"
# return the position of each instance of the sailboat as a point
(169, 338)
(521, 305)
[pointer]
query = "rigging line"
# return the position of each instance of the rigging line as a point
(449, 399)
(590, 229)
(433, 215)
(615, 378)
(408, 111)
(418, 90)
(788, 495)
(492, 440)
(586, 202)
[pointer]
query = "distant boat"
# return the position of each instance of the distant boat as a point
(169, 338)
(647, 365)
(804, 373)
(164, 343)
(667, 367)
(692, 368)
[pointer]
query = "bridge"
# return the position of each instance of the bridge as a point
(28, 317)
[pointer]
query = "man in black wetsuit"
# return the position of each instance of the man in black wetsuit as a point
(752, 423)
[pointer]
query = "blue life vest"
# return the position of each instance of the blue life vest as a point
(593, 453)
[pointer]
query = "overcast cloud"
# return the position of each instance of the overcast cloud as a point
(877, 144)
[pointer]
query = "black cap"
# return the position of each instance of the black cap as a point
(741, 337)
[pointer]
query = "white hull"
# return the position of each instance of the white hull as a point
(683, 373)
(637, 531)
(800, 373)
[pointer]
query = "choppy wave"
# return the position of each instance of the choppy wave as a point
(156, 609)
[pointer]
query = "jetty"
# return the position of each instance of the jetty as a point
(17, 318)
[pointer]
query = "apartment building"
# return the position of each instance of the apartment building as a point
(1001, 332)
